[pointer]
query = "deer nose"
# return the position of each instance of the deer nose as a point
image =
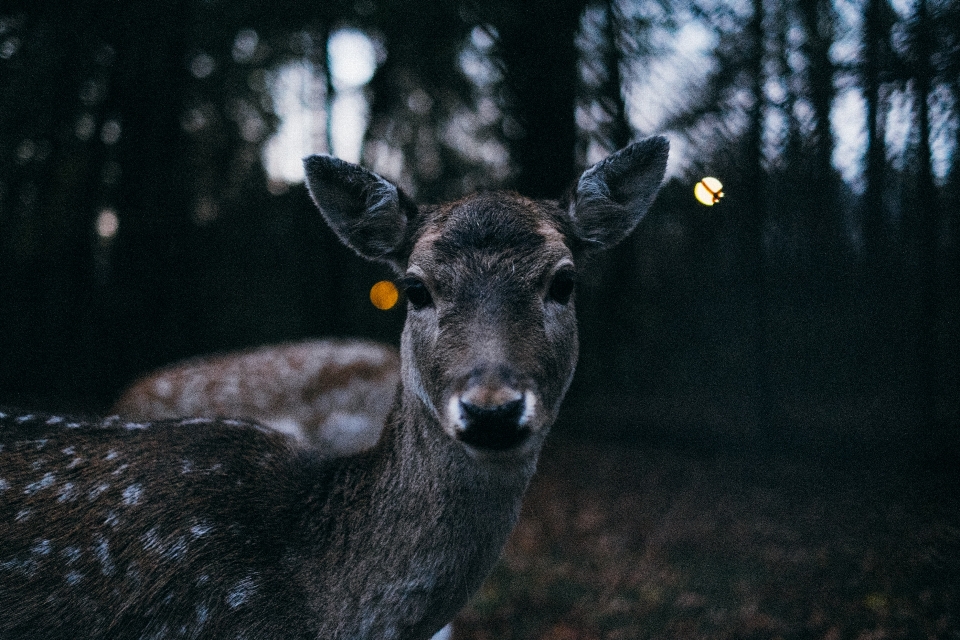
(493, 417)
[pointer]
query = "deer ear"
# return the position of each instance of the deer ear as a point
(369, 214)
(613, 195)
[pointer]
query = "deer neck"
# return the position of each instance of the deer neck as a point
(433, 485)
(426, 523)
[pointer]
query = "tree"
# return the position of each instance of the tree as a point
(876, 61)
(817, 20)
(926, 379)
(536, 46)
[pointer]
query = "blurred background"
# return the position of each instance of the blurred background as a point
(152, 204)
(762, 437)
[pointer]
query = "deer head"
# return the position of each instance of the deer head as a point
(490, 341)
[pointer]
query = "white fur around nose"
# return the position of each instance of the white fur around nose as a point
(455, 410)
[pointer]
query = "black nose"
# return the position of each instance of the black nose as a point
(496, 427)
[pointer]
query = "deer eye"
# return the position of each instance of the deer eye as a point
(561, 288)
(416, 293)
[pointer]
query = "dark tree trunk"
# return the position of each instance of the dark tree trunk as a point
(823, 223)
(929, 219)
(875, 36)
(538, 51)
(154, 198)
(611, 92)
(754, 223)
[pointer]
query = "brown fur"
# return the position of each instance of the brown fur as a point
(123, 530)
(333, 394)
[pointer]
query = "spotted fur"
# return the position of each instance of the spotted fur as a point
(121, 529)
(332, 395)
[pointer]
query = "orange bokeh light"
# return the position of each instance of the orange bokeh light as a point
(384, 295)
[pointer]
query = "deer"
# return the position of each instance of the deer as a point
(331, 395)
(119, 529)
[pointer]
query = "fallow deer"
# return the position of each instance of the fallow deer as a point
(114, 529)
(331, 395)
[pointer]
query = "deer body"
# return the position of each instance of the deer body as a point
(126, 530)
(330, 395)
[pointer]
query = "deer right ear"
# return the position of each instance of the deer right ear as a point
(613, 195)
(369, 214)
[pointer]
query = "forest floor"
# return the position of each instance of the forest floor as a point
(624, 543)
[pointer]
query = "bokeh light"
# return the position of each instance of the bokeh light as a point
(384, 295)
(107, 224)
(708, 191)
(353, 58)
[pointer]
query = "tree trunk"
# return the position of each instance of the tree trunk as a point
(929, 218)
(755, 219)
(823, 225)
(537, 47)
(875, 35)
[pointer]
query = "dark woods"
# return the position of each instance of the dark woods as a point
(816, 305)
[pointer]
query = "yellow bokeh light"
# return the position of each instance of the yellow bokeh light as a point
(708, 191)
(384, 295)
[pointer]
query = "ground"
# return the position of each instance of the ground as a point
(643, 542)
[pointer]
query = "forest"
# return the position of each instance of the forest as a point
(812, 314)
(815, 305)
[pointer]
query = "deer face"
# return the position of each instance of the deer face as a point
(490, 342)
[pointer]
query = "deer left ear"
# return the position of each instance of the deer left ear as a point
(613, 195)
(369, 214)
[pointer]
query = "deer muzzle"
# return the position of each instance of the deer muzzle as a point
(494, 411)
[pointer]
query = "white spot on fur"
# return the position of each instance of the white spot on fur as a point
(67, 493)
(135, 426)
(242, 591)
(151, 541)
(76, 461)
(112, 454)
(55, 420)
(177, 550)
(289, 426)
(47, 480)
(27, 567)
(112, 519)
(26, 418)
(131, 495)
(23, 515)
(101, 549)
(97, 491)
(163, 388)
(120, 469)
(41, 548)
(4, 485)
(73, 578)
(69, 451)
(201, 529)
(71, 554)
